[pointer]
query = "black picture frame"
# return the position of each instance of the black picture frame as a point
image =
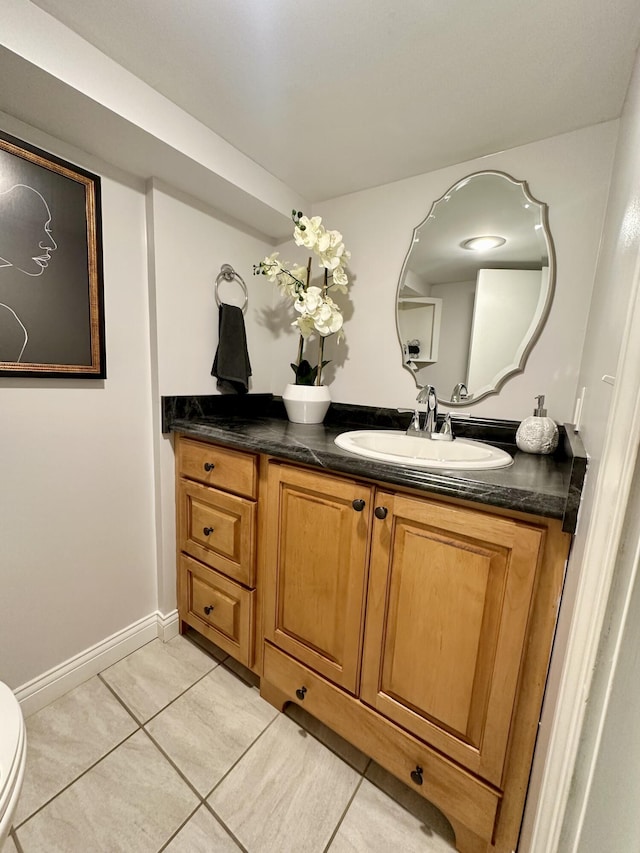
(51, 273)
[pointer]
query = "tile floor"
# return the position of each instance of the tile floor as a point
(172, 749)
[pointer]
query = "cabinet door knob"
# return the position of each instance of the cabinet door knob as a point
(300, 692)
(209, 466)
(358, 504)
(380, 512)
(207, 530)
(208, 608)
(416, 775)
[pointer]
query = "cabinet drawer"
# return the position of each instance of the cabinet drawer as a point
(459, 794)
(218, 608)
(218, 529)
(216, 466)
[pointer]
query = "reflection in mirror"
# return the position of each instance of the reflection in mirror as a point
(468, 309)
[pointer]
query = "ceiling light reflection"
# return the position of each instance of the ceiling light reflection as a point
(483, 243)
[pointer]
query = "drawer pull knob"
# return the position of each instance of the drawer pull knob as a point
(416, 775)
(358, 504)
(207, 530)
(300, 692)
(209, 466)
(208, 608)
(380, 512)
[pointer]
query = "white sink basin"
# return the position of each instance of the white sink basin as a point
(397, 448)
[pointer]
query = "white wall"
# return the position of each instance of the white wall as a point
(570, 173)
(612, 801)
(88, 510)
(604, 550)
(189, 244)
(610, 745)
(77, 560)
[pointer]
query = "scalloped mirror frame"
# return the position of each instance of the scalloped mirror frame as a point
(539, 319)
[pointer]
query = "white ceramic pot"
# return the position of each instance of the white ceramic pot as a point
(306, 404)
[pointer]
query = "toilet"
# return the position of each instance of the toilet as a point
(13, 756)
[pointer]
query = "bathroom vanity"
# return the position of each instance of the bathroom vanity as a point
(411, 611)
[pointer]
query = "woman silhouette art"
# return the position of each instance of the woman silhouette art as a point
(26, 245)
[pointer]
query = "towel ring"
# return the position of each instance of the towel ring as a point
(228, 273)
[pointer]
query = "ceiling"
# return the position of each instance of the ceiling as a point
(342, 95)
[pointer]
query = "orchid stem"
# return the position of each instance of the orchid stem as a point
(320, 356)
(300, 347)
(301, 341)
(321, 341)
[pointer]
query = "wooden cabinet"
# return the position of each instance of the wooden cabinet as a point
(418, 629)
(316, 569)
(216, 532)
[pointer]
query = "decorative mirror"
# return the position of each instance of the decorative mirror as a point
(476, 287)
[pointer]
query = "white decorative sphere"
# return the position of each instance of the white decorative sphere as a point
(537, 435)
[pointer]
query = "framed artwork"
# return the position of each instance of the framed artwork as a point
(51, 288)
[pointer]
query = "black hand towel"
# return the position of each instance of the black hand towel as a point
(231, 364)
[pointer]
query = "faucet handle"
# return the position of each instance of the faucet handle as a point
(414, 426)
(446, 430)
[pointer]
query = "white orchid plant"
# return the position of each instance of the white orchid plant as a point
(316, 309)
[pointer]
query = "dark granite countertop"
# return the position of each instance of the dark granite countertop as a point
(549, 486)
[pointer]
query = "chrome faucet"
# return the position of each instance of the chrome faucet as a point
(459, 393)
(429, 396)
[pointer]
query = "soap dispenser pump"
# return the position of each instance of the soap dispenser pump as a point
(538, 434)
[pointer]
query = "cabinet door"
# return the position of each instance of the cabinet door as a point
(316, 566)
(449, 597)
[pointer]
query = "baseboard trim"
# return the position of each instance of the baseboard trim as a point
(45, 688)
(168, 625)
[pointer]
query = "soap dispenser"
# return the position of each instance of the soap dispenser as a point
(538, 434)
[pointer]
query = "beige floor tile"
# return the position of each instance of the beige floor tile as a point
(133, 800)
(206, 730)
(66, 738)
(375, 823)
(286, 794)
(358, 760)
(8, 846)
(202, 834)
(412, 802)
(150, 678)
